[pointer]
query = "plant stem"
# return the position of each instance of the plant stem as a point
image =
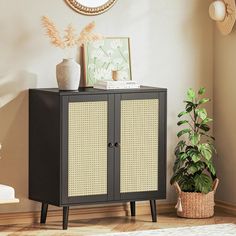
(190, 125)
(122, 55)
(104, 51)
(195, 118)
(191, 117)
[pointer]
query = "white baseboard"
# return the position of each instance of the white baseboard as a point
(226, 207)
(142, 208)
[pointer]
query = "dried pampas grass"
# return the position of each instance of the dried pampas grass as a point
(70, 38)
(52, 32)
(87, 34)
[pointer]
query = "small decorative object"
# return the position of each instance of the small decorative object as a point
(68, 71)
(107, 59)
(115, 75)
(118, 75)
(88, 7)
(224, 13)
(194, 173)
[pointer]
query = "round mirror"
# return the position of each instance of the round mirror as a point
(90, 7)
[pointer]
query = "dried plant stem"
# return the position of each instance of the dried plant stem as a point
(70, 39)
(52, 32)
(87, 35)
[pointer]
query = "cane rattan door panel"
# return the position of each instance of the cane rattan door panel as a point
(139, 145)
(87, 148)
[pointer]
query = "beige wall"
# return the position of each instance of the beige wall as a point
(171, 46)
(225, 114)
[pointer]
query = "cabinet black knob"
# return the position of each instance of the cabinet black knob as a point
(117, 144)
(110, 145)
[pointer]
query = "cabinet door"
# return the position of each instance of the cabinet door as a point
(87, 160)
(140, 153)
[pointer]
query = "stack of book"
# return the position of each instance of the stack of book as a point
(112, 84)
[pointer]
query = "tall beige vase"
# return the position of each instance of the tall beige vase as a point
(68, 74)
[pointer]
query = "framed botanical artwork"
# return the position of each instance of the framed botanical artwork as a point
(103, 57)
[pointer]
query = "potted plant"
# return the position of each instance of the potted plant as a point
(194, 173)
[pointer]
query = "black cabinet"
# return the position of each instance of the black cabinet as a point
(97, 146)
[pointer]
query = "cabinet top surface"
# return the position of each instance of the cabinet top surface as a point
(91, 90)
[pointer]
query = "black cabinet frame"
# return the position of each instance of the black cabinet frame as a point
(48, 149)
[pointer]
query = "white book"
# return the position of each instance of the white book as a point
(115, 87)
(116, 83)
(111, 84)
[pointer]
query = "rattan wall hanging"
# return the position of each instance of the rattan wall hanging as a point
(87, 7)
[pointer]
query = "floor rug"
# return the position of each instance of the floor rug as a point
(206, 230)
(88, 230)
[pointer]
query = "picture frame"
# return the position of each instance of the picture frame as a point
(102, 57)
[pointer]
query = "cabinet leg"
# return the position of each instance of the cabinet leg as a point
(65, 217)
(44, 211)
(132, 208)
(153, 210)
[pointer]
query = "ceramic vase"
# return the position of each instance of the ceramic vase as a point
(68, 74)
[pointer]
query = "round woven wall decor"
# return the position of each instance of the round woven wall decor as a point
(85, 10)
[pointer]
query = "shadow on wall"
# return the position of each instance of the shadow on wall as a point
(14, 133)
(21, 47)
(12, 85)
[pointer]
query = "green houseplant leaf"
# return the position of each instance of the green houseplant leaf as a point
(201, 113)
(207, 120)
(193, 167)
(195, 138)
(203, 100)
(191, 94)
(203, 183)
(203, 127)
(182, 113)
(182, 132)
(201, 91)
(196, 158)
(182, 122)
(211, 168)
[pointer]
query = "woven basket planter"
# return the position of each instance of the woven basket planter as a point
(196, 205)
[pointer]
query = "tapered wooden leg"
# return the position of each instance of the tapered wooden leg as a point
(44, 211)
(153, 210)
(132, 208)
(65, 217)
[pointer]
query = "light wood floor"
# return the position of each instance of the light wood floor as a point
(116, 224)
